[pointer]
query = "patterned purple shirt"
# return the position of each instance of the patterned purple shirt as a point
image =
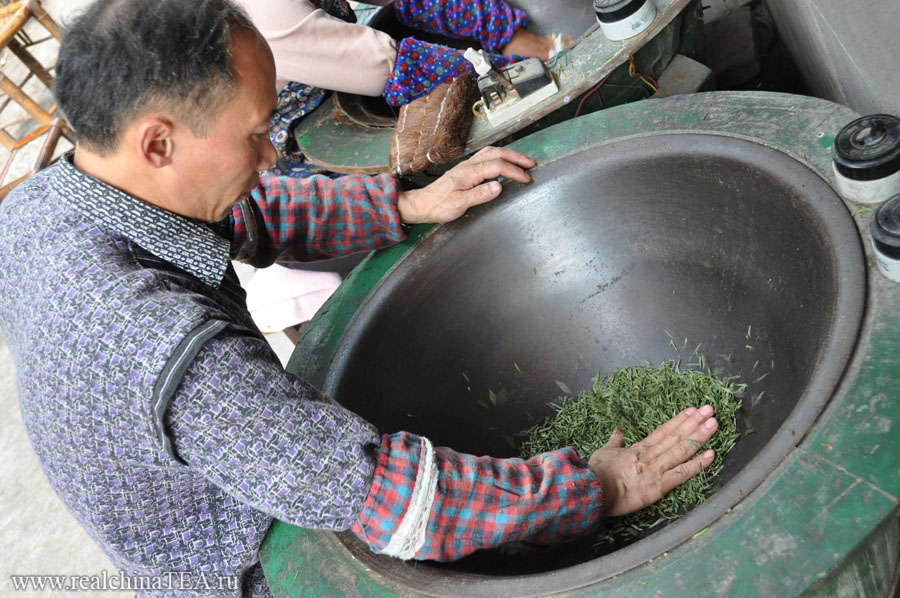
(165, 423)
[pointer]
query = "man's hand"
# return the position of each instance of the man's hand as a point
(463, 186)
(635, 477)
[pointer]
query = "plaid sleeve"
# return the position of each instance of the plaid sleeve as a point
(420, 67)
(316, 218)
(434, 503)
(490, 22)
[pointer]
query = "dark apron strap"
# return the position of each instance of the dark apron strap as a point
(172, 374)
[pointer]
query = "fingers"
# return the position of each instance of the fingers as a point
(616, 439)
(473, 174)
(667, 428)
(685, 471)
(687, 439)
(483, 194)
(492, 162)
(492, 153)
(684, 428)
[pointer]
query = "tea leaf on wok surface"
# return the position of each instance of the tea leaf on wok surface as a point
(636, 400)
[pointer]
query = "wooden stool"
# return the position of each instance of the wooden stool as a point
(13, 17)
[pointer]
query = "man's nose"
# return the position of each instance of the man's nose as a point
(267, 156)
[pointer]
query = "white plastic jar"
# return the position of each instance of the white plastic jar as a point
(885, 229)
(866, 159)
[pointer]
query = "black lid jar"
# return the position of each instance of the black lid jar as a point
(885, 229)
(866, 158)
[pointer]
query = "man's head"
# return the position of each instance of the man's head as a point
(170, 100)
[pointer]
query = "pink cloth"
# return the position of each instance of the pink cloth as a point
(314, 48)
(278, 297)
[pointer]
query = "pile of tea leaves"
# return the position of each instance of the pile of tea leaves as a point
(637, 399)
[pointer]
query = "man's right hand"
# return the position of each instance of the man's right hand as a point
(635, 477)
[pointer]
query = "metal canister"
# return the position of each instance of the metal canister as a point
(885, 229)
(866, 158)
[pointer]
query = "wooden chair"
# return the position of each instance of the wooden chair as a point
(13, 18)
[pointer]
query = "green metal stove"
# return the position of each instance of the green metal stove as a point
(711, 217)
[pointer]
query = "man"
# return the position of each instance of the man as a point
(159, 414)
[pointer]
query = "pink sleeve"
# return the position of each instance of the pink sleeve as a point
(314, 48)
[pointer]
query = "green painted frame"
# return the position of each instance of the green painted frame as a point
(824, 522)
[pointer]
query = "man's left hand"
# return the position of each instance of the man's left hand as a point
(463, 186)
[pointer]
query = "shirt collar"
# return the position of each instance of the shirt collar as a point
(188, 244)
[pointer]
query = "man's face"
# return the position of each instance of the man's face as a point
(217, 171)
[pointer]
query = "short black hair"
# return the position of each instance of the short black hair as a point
(122, 57)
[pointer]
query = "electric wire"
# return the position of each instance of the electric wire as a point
(632, 72)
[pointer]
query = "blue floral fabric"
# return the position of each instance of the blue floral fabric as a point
(295, 101)
(421, 67)
(492, 23)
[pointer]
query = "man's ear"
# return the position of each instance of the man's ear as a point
(155, 140)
